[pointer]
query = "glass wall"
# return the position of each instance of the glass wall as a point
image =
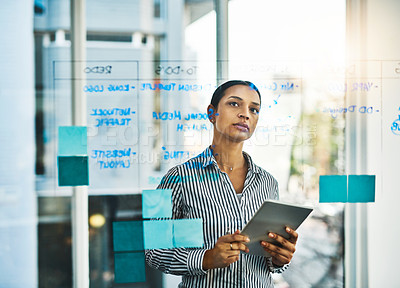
(294, 51)
(150, 72)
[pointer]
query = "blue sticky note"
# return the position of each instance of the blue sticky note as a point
(188, 233)
(129, 267)
(72, 140)
(158, 234)
(157, 203)
(361, 188)
(73, 171)
(128, 236)
(332, 188)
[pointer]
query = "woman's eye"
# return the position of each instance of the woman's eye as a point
(254, 110)
(235, 104)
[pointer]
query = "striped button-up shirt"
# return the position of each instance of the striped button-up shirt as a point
(201, 190)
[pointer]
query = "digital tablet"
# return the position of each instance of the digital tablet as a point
(273, 216)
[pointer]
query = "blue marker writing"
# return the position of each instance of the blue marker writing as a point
(115, 164)
(113, 111)
(112, 153)
(176, 115)
(396, 126)
(112, 122)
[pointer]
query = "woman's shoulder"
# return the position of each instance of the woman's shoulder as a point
(266, 174)
(269, 181)
(197, 162)
(186, 171)
(261, 171)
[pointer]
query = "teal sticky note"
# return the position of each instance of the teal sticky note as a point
(361, 188)
(72, 140)
(128, 236)
(157, 203)
(158, 234)
(73, 171)
(129, 267)
(332, 188)
(188, 233)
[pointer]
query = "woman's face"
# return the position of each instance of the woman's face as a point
(237, 113)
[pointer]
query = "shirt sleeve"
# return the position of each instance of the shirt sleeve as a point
(276, 189)
(271, 267)
(178, 261)
(276, 269)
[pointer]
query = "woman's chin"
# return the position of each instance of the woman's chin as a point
(239, 137)
(234, 135)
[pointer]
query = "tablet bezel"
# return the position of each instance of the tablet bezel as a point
(273, 216)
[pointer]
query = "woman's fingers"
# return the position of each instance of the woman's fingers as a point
(234, 238)
(276, 249)
(293, 235)
(226, 251)
(232, 259)
(233, 253)
(233, 246)
(281, 252)
(235, 242)
(239, 246)
(277, 258)
(280, 256)
(286, 244)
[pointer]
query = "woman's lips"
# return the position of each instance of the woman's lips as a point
(242, 127)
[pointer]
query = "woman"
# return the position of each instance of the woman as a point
(228, 190)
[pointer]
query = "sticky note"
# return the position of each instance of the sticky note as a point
(72, 140)
(188, 233)
(73, 170)
(128, 236)
(361, 188)
(332, 188)
(157, 203)
(158, 234)
(129, 267)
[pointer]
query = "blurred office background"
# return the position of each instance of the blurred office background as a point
(321, 47)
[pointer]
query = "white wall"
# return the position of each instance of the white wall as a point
(380, 40)
(383, 43)
(18, 220)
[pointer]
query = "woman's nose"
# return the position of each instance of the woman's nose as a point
(243, 115)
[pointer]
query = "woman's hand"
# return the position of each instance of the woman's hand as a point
(281, 255)
(226, 251)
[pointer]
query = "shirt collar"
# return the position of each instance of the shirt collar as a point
(252, 167)
(209, 159)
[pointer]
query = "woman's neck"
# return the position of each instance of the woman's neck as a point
(228, 154)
